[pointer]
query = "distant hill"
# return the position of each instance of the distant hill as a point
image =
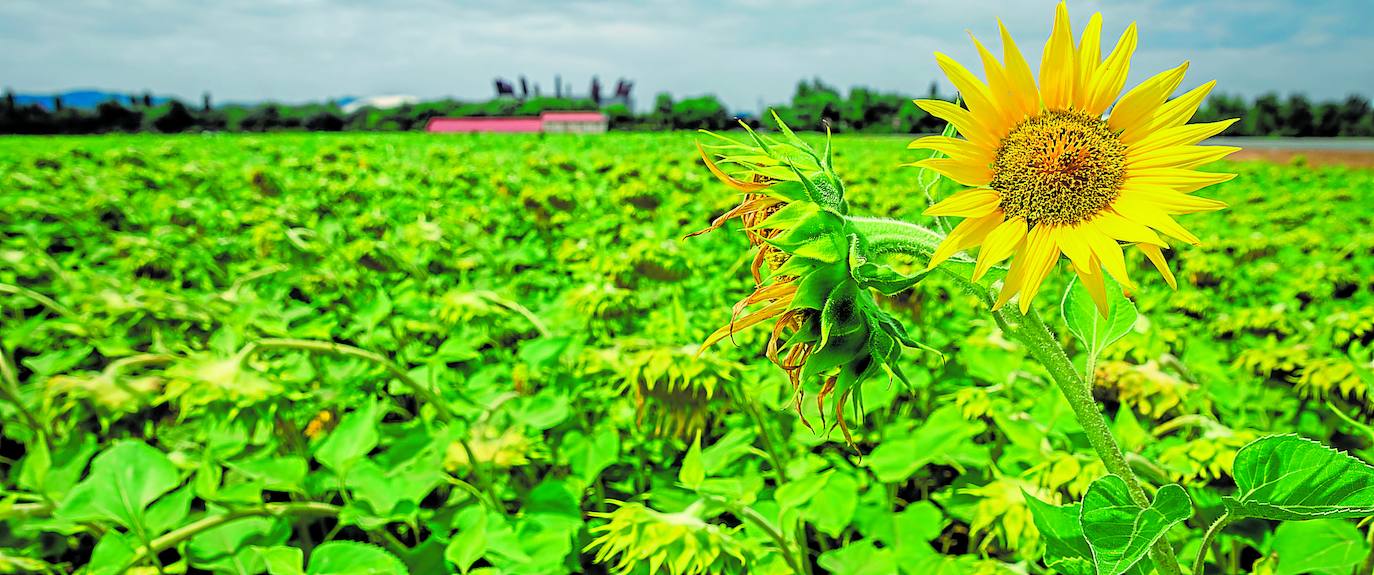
(80, 99)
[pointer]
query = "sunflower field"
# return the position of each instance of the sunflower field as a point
(479, 354)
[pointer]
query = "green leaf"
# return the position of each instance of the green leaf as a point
(832, 508)
(1322, 546)
(355, 436)
(124, 479)
(945, 436)
(111, 554)
(589, 455)
(1118, 531)
(170, 511)
(1066, 549)
(1287, 477)
(230, 547)
(469, 543)
(1086, 323)
(281, 560)
(33, 469)
(794, 494)
(693, 473)
(276, 473)
(859, 558)
(353, 558)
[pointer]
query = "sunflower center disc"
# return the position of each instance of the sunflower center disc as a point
(1061, 167)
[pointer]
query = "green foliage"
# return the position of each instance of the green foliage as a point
(1322, 546)
(471, 319)
(1094, 327)
(1288, 477)
(1119, 531)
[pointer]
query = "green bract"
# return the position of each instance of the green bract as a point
(824, 272)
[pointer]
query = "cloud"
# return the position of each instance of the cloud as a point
(749, 52)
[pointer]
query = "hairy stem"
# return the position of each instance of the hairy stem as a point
(1046, 350)
(892, 236)
(1212, 532)
(795, 557)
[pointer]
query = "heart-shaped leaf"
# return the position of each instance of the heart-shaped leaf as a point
(1292, 478)
(124, 480)
(1066, 549)
(1094, 327)
(1318, 546)
(1119, 531)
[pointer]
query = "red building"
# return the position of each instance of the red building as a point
(551, 122)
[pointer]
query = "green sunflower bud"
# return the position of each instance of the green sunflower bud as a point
(829, 335)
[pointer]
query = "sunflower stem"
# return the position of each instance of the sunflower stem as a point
(894, 236)
(1046, 349)
(1207, 540)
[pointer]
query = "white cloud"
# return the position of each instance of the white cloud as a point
(746, 51)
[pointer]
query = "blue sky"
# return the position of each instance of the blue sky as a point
(749, 52)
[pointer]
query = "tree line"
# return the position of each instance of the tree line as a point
(813, 104)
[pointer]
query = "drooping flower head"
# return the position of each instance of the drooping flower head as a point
(813, 272)
(637, 539)
(1071, 166)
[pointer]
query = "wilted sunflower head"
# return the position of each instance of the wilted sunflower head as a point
(828, 333)
(681, 543)
(1068, 167)
(675, 389)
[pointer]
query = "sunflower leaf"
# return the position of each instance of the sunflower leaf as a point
(1118, 531)
(1288, 477)
(1066, 549)
(1093, 329)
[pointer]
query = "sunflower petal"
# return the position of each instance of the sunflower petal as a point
(1147, 213)
(1157, 258)
(1177, 178)
(1182, 135)
(1000, 86)
(975, 94)
(1137, 107)
(1179, 110)
(1108, 252)
(953, 147)
(1019, 74)
(1119, 227)
(1172, 202)
(723, 177)
(1088, 58)
(966, 172)
(999, 245)
(963, 120)
(1011, 285)
(974, 203)
(1179, 157)
(1041, 253)
(1056, 64)
(1111, 77)
(1072, 243)
(1092, 281)
(967, 234)
(769, 311)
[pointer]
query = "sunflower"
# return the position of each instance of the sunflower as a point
(1053, 172)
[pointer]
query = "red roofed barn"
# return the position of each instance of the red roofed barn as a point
(550, 122)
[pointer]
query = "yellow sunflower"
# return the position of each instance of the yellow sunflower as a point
(1053, 172)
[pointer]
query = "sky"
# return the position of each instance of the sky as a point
(750, 53)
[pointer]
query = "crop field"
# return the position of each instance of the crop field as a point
(393, 353)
